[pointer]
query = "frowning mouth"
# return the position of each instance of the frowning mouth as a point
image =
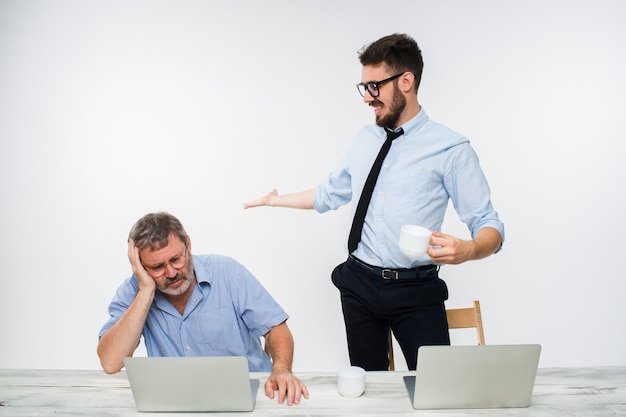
(173, 282)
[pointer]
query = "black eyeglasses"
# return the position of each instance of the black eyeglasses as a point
(373, 87)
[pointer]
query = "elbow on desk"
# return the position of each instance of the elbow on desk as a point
(110, 367)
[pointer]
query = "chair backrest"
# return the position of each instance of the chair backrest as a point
(458, 318)
(464, 318)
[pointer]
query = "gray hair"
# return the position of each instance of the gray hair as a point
(153, 230)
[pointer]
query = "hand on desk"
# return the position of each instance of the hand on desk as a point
(288, 386)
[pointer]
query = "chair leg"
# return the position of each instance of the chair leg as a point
(392, 366)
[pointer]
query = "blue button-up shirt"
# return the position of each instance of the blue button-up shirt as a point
(427, 166)
(226, 315)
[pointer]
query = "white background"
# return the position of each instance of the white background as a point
(112, 109)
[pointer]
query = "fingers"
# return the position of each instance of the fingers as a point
(255, 203)
(304, 390)
(289, 388)
(145, 280)
(133, 254)
(269, 389)
(263, 201)
(437, 237)
(133, 257)
(448, 249)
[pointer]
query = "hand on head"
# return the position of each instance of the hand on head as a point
(145, 280)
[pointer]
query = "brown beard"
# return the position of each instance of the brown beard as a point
(398, 103)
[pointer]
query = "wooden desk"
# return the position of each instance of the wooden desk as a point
(557, 392)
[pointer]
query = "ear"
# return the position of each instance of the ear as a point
(406, 82)
(188, 243)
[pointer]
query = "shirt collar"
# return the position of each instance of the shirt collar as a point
(415, 123)
(201, 273)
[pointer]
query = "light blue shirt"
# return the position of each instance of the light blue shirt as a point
(427, 166)
(226, 315)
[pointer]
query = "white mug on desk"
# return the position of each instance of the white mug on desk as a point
(351, 381)
(414, 240)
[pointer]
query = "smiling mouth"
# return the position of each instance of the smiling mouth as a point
(376, 105)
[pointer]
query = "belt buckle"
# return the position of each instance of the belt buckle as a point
(390, 271)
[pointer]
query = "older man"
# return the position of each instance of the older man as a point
(195, 305)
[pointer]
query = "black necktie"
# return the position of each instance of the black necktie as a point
(359, 216)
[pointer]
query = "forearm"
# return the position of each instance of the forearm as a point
(281, 347)
(122, 338)
(486, 242)
(282, 379)
(301, 200)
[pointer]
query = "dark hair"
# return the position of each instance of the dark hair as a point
(153, 230)
(398, 51)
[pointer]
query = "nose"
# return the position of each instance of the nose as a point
(170, 271)
(367, 97)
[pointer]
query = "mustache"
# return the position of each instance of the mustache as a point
(178, 276)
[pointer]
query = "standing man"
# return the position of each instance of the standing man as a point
(195, 305)
(413, 166)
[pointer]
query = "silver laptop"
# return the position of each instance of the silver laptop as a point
(488, 376)
(191, 384)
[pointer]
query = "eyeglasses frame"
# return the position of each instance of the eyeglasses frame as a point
(151, 269)
(376, 85)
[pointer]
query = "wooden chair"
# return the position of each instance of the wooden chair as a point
(458, 318)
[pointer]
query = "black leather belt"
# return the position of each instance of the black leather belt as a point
(393, 274)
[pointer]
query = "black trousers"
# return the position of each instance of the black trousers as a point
(413, 308)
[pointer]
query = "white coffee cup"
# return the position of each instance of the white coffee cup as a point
(351, 381)
(414, 240)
